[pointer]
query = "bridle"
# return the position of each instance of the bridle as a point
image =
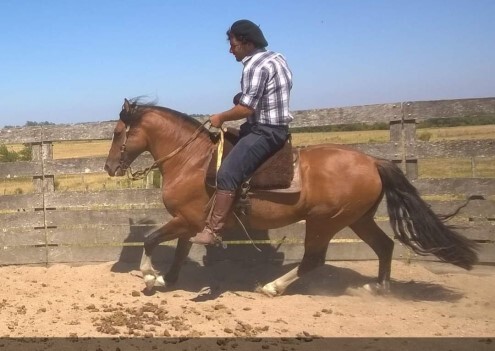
(126, 167)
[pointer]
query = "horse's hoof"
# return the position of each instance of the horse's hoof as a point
(149, 281)
(269, 290)
(377, 289)
(160, 281)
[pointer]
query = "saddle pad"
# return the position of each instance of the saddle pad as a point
(276, 172)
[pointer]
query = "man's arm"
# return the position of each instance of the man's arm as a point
(237, 112)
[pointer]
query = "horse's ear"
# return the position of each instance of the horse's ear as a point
(125, 114)
(127, 105)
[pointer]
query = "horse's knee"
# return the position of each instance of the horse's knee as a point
(311, 262)
(150, 242)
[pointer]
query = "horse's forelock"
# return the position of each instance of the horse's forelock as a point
(130, 111)
(125, 117)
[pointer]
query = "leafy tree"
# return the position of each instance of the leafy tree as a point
(7, 155)
(33, 124)
(26, 153)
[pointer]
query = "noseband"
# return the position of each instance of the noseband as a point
(124, 165)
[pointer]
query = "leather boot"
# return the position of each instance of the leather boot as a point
(215, 223)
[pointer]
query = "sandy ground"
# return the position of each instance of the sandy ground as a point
(108, 300)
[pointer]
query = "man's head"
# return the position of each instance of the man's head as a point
(244, 37)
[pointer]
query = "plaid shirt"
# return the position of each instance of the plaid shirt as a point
(266, 83)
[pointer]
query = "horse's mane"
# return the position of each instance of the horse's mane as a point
(139, 107)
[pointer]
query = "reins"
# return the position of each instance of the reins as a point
(143, 173)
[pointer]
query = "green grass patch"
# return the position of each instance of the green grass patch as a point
(473, 120)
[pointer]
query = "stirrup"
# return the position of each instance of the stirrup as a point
(217, 240)
(213, 239)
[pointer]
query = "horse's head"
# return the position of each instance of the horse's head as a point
(128, 141)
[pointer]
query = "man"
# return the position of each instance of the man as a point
(264, 101)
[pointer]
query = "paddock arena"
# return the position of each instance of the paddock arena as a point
(108, 300)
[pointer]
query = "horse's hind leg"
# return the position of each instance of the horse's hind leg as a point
(367, 229)
(318, 235)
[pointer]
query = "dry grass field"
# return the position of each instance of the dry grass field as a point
(428, 168)
(380, 136)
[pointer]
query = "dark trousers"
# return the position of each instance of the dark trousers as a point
(256, 143)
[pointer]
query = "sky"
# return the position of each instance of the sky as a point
(74, 61)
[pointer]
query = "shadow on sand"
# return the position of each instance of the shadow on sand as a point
(241, 268)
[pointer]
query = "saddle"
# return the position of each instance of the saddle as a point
(279, 173)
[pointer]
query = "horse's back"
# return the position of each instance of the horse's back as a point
(339, 173)
(336, 157)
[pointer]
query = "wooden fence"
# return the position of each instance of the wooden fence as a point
(50, 226)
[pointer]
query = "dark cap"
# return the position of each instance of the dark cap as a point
(249, 31)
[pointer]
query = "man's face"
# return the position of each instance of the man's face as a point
(239, 49)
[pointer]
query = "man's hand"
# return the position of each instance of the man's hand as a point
(216, 121)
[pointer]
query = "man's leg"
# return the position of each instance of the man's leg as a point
(246, 156)
(215, 223)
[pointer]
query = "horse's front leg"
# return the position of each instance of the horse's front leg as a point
(174, 229)
(181, 253)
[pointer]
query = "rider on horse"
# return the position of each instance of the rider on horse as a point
(264, 101)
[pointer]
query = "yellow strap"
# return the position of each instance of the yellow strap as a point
(219, 153)
(220, 149)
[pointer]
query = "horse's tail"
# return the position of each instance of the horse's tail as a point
(417, 226)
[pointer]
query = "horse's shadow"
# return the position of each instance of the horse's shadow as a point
(223, 271)
(327, 280)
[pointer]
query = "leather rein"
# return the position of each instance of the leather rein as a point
(143, 173)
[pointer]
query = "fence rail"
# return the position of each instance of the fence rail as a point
(50, 226)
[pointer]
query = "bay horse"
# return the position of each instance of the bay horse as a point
(340, 187)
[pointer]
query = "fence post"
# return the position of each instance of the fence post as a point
(473, 167)
(149, 180)
(403, 137)
(409, 140)
(37, 156)
(43, 183)
(41, 152)
(395, 128)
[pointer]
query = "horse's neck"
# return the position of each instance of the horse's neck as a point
(170, 146)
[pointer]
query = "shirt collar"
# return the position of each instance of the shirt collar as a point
(256, 51)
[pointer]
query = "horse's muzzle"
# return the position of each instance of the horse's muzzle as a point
(114, 171)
